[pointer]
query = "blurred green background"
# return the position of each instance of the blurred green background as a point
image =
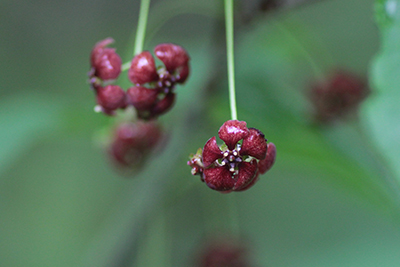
(332, 198)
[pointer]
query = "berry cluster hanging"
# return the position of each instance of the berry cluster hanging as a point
(152, 94)
(234, 166)
(237, 164)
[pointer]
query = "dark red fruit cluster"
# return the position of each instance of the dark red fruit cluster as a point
(133, 142)
(153, 93)
(338, 96)
(223, 254)
(159, 96)
(106, 67)
(236, 165)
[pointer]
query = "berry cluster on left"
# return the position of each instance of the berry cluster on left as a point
(152, 94)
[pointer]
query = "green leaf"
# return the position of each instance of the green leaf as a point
(381, 113)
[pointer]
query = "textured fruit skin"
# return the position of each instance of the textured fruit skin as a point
(153, 92)
(105, 62)
(151, 95)
(105, 68)
(143, 69)
(176, 66)
(111, 98)
(338, 96)
(144, 74)
(265, 164)
(142, 98)
(236, 165)
(133, 142)
(173, 56)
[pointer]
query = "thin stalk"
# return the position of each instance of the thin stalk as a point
(230, 56)
(141, 28)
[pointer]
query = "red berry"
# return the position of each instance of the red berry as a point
(110, 98)
(232, 131)
(338, 96)
(173, 56)
(265, 164)
(163, 105)
(211, 152)
(133, 142)
(254, 144)
(106, 63)
(143, 69)
(234, 167)
(142, 98)
(176, 61)
(183, 73)
(158, 96)
(99, 48)
(249, 185)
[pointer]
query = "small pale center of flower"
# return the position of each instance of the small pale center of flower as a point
(231, 159)
(167, 80)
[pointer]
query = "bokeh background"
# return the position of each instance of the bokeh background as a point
(332, 198)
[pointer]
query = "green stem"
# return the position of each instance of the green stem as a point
(141, 28)
(230, 56)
